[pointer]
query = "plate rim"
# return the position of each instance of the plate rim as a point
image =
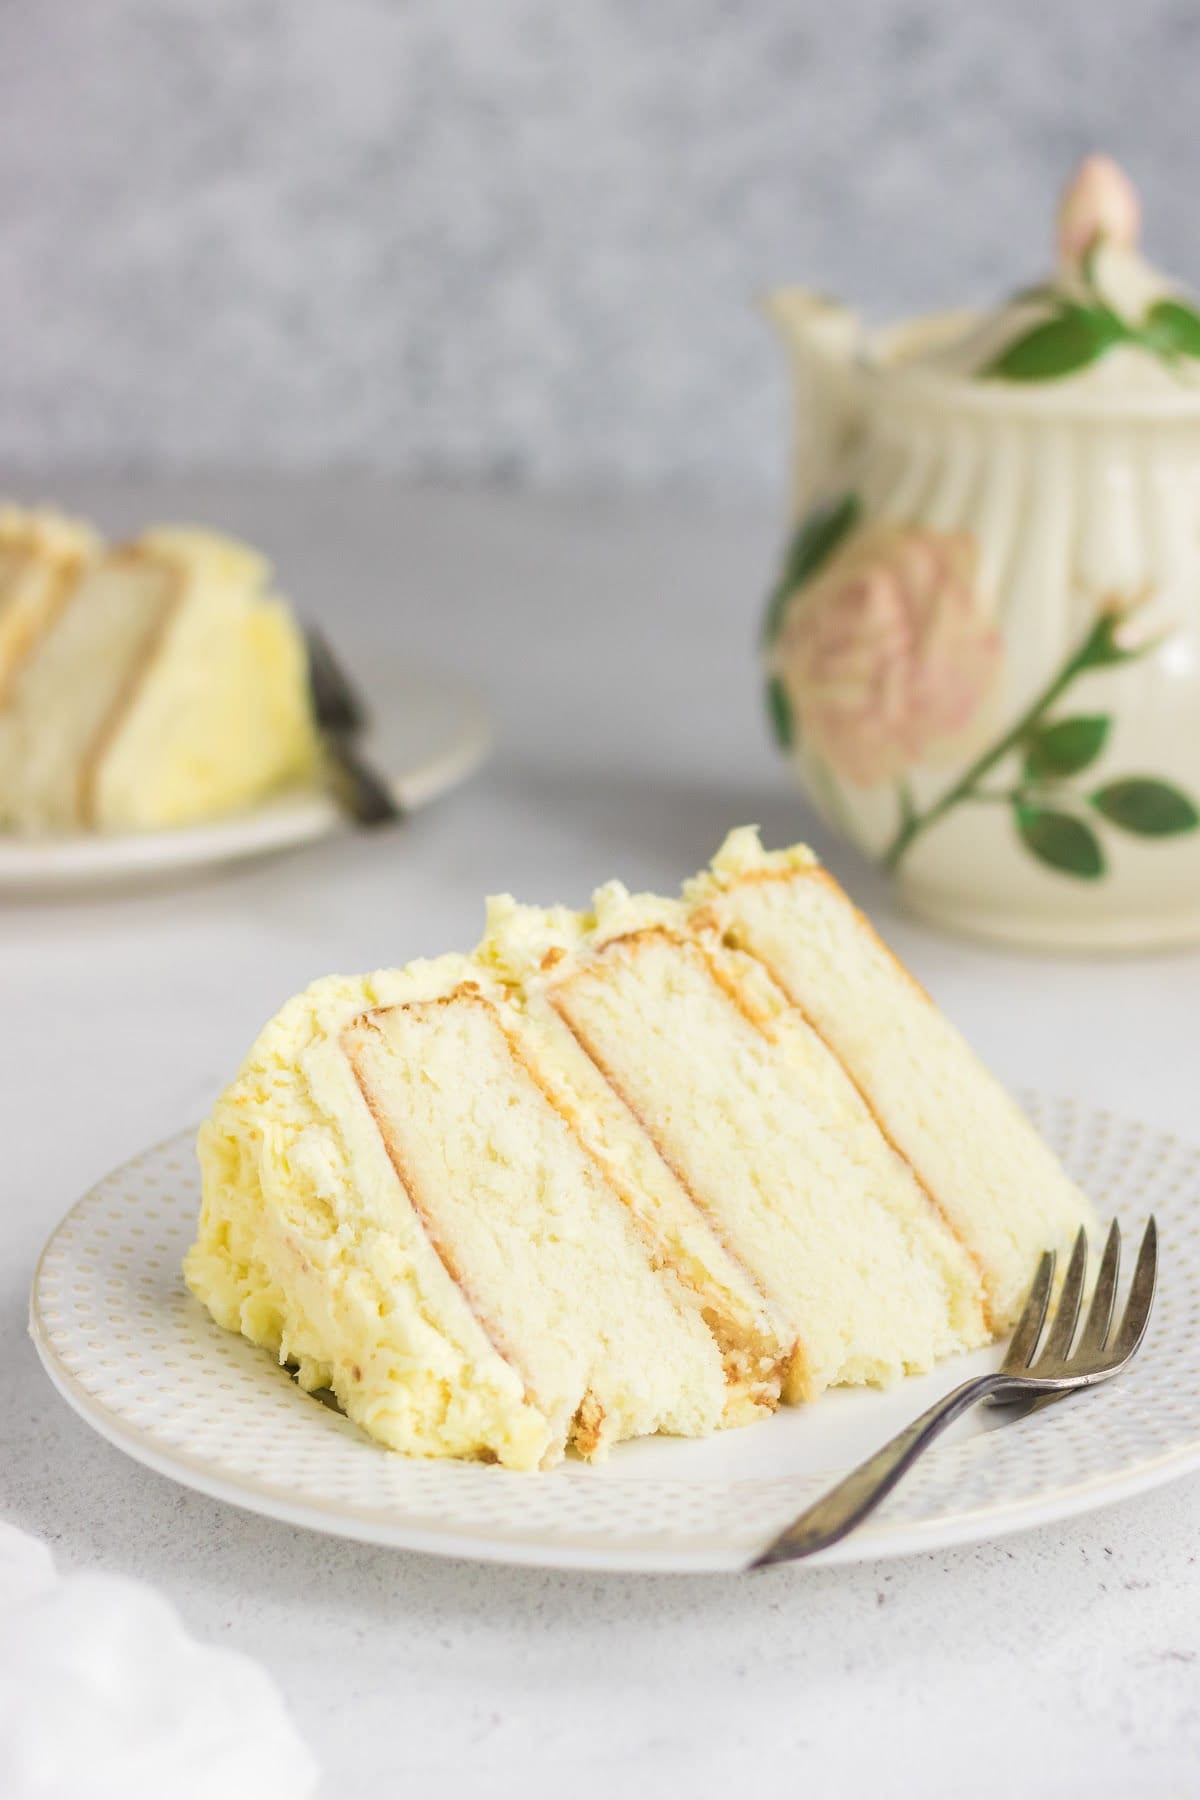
(875, 1541)
(872, 1543)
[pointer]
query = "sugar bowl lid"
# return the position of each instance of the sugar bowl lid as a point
(1105, 324)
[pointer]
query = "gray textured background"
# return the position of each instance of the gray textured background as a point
(521, 239)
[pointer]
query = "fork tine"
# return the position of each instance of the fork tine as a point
(857, 1494)
(1099, 1319)
(1029, 1325)
(1132, 1328)
(1061, 1335)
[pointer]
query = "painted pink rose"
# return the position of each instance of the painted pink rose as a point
(885, 656)
(1099, 203)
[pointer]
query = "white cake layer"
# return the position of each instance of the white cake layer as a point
(40, 556)
(66, 697)
(309, 1245)
(542, 1246)
(757, 1339)
(997, 1184)
(778, 1152)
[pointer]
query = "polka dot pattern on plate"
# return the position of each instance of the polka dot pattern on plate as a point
(140, 1359)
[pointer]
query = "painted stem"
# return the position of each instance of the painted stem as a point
(913, 824)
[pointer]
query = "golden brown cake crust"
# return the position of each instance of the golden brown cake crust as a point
(587, 1427)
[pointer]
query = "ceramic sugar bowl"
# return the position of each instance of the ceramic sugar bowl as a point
(983, 650)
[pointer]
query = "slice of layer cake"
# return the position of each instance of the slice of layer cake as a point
(615, 1174)
(151, 685)
(393, 1202)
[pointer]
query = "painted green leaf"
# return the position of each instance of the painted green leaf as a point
(1059, 346)
(1172, 327)
(1066, 747)
(779, 711)
(1146, 807)
(1060, 841)
(815, 541)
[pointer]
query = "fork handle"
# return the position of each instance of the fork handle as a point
(359, 791)
(846, 1505)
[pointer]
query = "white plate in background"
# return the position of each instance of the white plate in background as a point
(141, 1361)
(428, 733)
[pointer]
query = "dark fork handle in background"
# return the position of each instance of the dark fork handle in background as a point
(361, 793)
(359, 790)
(337, 698)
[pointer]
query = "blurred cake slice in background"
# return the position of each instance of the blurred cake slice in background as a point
(649, 1168)
(41, 556)
(152, 684)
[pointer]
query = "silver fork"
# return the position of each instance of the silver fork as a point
(1101, 1353)
(341, 714)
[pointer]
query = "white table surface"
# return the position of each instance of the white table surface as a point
(614, 643)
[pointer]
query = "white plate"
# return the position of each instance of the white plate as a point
(428, 733)
(142, 1362)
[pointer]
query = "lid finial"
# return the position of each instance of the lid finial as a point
(1099, 203)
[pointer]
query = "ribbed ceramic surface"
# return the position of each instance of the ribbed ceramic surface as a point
(1067, 508)
(1067, 513)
